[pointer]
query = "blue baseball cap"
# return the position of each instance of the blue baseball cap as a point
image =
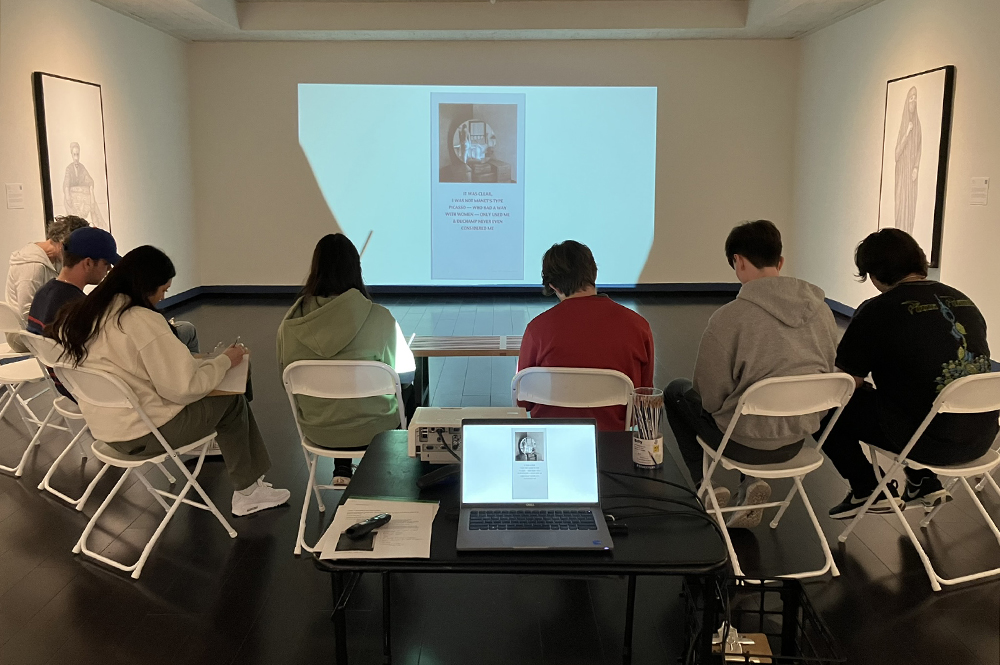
(93, 243)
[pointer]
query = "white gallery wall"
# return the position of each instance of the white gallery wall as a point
(725, 138)
(144, 85)
(844, 70)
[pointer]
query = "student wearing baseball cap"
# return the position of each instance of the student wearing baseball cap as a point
(88, 255)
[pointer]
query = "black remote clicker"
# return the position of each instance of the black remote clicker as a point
(361, 529)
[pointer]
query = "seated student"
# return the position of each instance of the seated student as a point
(87, 256)
(914, 339)
(34, 265)
(335, 319)
(585, 329)
(777, 326)
(116, 329)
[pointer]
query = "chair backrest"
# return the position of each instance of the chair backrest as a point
(342, 379)
(573, 387)
(10, 320)
(44, 349)
(977, 393)
(796, 395)
(97, 388)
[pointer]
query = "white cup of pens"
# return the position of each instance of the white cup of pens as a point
(647, 437)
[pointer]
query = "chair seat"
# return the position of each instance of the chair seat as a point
(333, 453)
(20, 371)
(67, 408)
(984, 464)
(808, 459)
(109, 455)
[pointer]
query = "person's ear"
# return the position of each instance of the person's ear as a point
(781, 263)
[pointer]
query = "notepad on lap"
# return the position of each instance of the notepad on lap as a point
(235, 380)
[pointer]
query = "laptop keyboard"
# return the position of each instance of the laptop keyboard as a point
(532, 520)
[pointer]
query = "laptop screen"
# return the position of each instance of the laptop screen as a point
(529, 461)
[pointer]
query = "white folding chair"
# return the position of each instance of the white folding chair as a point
(18, 377)
(573, 387)
(780, 397)
(109, 392)
(334, 379)
(48, 353)
(979, 393)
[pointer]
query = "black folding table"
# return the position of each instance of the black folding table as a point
(657, 543)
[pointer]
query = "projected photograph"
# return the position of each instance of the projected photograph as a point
(915, 155)
(529, 446)
(478, 143)
(70, 124)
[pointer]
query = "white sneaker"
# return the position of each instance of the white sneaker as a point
(263, 497)
(756, 492)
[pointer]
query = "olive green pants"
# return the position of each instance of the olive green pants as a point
(230, 417)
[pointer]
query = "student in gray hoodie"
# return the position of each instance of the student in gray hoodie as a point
(34, 265)
(777, 326)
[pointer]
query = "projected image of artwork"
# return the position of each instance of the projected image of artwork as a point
(469, 185)
(70, 123)
(915, 156)
(477, 152)
(477, 203)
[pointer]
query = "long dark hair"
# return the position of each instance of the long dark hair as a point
(137, 276)
(336, 268)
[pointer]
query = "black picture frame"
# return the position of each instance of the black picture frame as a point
(99, 213)
(924, 227)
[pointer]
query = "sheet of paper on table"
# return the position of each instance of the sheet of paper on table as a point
(406, 536)
(235, 380)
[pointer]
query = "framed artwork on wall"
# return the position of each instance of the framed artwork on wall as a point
(69, 117)
(915, 142)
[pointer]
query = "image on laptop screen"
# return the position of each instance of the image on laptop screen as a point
(529, 462)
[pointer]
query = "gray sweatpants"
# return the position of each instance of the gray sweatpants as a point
(239, 439)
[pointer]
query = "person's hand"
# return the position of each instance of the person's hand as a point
(235, 354)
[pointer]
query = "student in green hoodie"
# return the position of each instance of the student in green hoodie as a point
(335, 319)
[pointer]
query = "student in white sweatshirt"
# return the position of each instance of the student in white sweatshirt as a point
(34, 265)
(116, 329)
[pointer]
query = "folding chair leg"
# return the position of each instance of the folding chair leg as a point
(831, 565)
(12, 390)
(90, 488)
(18, 470)
(81, 544)
(166, 474)
(300, 539)
(717, 512)
(924, 523)
(45, 484)
(983, 482)
(924, 559)
(171, 511)
(982, 509)
(152, 490)
(212, 508)
(784, 506)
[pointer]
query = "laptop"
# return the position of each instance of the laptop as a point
(530, 484)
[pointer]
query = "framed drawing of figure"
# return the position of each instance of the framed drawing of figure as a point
(69, 117)
(915, 156)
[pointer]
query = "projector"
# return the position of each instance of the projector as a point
(433, 431)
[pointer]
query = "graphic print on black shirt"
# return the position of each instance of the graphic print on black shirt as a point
(915, 339)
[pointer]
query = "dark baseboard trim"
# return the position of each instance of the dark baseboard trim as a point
(282, 291)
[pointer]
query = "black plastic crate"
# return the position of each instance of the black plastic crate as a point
(779, 609)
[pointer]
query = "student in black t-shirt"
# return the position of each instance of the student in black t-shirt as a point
(87, 256)
(915, 338)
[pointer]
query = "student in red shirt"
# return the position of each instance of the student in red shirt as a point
(584, 330)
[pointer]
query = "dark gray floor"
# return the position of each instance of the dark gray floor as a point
(204, 598)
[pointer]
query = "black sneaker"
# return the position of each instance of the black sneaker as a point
(851, 505)
(928, 493)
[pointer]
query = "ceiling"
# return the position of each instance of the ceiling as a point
(318, 20)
